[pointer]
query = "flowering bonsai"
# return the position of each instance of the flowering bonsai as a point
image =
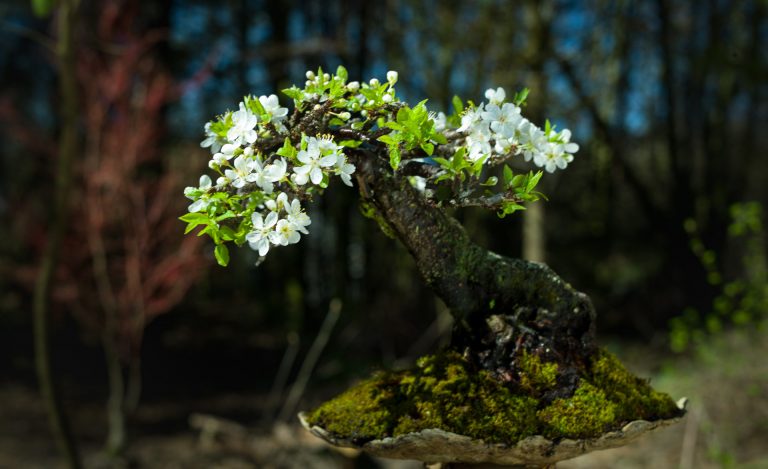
(523, 359)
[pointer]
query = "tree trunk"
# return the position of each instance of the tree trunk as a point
(501, 306)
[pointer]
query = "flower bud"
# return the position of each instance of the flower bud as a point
(387, 98)
(345, 116)
(392, 77)
(310, 75)
(374, 82)
(326, 77)
(353, 86)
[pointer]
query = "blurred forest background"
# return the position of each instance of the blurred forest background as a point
(176, 362)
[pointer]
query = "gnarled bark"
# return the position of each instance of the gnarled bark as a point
(502, 306)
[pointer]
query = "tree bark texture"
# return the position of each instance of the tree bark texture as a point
(501, 306)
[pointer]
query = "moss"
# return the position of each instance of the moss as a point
(362, 413)
(587, 413)
(635, 396)
(536, 376)
(445, 392)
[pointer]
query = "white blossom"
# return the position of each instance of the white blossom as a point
(552, 156)
(272, 107)
(242, 171)
(344, 170)
(285, 233)
(565, 139)
(496, 96)
(439, 119)
(201, 201)
(503, 120)
(227, 153)
(243, 124)
(314, 160)
(472, 120)
(531, 139)
(264, 176)
(277, 204)
(297, 217)
(392, 77)
(259, 238)
(211, 139)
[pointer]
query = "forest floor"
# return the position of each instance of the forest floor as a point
(726, 426)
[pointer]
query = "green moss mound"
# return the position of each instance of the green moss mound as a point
(444, 392)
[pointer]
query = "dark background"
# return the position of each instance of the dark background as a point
(658, 218)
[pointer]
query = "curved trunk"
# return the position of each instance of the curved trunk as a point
(501, 306)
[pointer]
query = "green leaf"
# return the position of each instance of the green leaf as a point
(221, 252)
(442, 162)
(521, 96)
(457, 104)
(459, 161)
(533, 179)
(508, 208)
(255, 105)
(428, 148)
(395, 126)
(508, 175)
(491, 181)
(190, 227)
(439, 138)
(294, 92)
(518, 180)
(194, 217)
(394, 157)
(225, 215)
(477, 166)
(390, 139)
(227, 233)
(350, 143)
(341, 72)
(287, 150)
(403, 115)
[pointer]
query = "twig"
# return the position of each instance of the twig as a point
(282, 374)
(297, 390)
(41, 301)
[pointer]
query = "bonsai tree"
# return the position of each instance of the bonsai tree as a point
(523, 359)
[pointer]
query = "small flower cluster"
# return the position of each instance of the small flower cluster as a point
(273, 230)
(248, 181)
(319, 156)
(498, 127)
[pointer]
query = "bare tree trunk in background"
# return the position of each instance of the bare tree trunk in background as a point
(41, 300)
(534, 235)
(540, 17)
